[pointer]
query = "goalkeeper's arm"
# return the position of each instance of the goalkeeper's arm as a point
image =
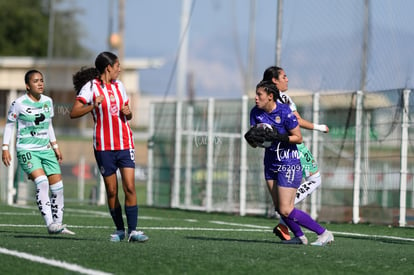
(294, 136)
(275, 136)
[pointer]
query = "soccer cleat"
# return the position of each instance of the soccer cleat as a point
(282, 231)
(67, 231)
(297, 240)
(55, 228)
(324, 239)
(137, 236)
(118, 236)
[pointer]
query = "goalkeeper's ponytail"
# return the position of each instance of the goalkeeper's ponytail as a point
(270, 88)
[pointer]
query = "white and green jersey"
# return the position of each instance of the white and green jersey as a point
(287, 100)
(308, 162)
(33, 119)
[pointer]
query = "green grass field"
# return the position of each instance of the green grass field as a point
(186, 242)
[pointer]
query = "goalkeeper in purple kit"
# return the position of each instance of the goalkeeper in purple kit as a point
(274, 126)
(310, 169)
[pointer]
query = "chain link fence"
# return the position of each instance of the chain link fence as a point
(366, 160)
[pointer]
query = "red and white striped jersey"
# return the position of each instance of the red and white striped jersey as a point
(111, 129)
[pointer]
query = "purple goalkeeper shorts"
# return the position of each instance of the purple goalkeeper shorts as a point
(286, 175)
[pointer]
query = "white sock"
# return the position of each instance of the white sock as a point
(42, 198)
(307, 187)
(57, 202)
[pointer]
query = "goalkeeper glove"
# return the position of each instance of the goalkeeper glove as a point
(255, 136)
(273, 135)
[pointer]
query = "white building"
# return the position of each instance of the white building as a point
(58, 81)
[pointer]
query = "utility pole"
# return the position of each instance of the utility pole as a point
(364, 64)
(181, 90)
(183, 47)
(252, 46)
(279, 29)
(121, 29)
(50, 37)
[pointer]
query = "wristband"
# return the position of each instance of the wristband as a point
(320, 127)
(5, 147)
(55, 146)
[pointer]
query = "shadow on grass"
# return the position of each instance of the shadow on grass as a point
(55, 237)
(384, 239)
(232, 240)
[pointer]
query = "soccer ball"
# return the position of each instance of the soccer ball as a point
(268, 127)
(264, 126)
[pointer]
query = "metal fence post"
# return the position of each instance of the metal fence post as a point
(189, 157)
(315, 148)
(175, 194)
(150, 171)
(210, 157)
(11, 190)
(243, 156)
(357, 156)
(404, 148)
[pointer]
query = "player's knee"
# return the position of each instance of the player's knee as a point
(285, 211)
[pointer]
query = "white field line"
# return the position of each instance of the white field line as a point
(373, 236)
(80, 269)
(246, 227)
(259, 230)
(51, 262)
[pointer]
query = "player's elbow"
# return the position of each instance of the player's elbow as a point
(72, 115)
(75, 114)
(296, 139)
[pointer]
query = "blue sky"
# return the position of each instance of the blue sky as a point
(218, 39)
(321, 42)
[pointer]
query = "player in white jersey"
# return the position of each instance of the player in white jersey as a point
(100, 92)
(37, 150)
(310, 168)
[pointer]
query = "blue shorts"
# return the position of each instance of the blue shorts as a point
(286, 175)
(109, 161)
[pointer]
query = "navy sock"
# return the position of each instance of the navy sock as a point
(132, 217)
(116, 214)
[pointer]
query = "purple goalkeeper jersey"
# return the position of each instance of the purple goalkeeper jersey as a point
(280, 156)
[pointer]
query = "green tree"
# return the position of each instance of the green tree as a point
(24, 29)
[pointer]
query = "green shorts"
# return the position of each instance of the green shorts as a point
(33, 160)
(309, 165)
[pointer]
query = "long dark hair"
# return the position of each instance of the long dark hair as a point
(85, 75)
(270, 87)
(272, 72)
(103, 60)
